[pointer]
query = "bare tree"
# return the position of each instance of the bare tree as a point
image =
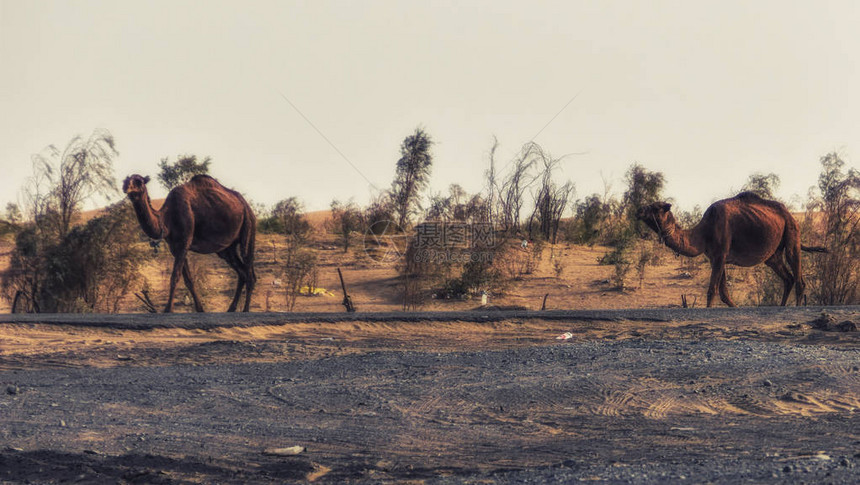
(551, 204)
(512, 191)
(550, 200)
(490, 175)
(63, 180)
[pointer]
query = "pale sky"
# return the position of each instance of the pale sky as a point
(705, 92)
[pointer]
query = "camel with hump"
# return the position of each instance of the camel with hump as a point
(205, 217)
(745, 230)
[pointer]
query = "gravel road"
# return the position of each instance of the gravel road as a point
(641, 396)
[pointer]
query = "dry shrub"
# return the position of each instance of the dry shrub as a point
(299, 270)
(834, 277)
(458, 273)
(766, 287)
(91, 269)
(558, 266)
(693, 266)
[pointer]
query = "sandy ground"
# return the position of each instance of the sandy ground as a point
(648, 396)
(375, 285)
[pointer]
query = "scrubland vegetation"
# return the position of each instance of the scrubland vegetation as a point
(447, 246)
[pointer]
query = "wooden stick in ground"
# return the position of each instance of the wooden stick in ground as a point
(147, 302)
(347, 301)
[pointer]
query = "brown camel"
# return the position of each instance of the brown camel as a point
(203, 216)
(745, 230)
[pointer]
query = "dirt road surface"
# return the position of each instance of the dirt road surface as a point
(643, 396)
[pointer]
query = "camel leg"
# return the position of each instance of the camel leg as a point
(792, 254)
(251, 283)
(189, 283)
(247, 245)
(717, 270)
(231, 257)
(778, 266)
(178, 264)
(724, 290)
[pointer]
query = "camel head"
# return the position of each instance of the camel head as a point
(658, 216)
(135, 185)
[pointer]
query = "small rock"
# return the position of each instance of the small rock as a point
(12, 390)
(62, 423)
(787, 469)
(291, 451)
(767, 383)
(824, 322)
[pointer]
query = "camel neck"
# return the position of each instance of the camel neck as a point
(151, 221)
(683, 241)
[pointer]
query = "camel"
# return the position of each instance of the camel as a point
(203, 216)
(745, 230)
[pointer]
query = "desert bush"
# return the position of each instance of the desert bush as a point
(8, 229)
(346, 218)
(91, 269)
(619, 277)
(558, 264)
(486, 273)
(834, 277)
(693, 266)
(644, 258)
(588, 220)
(766, 287)
(764, 185)
(620, 256)
(643, 187)
(182, 170)
(379, 215)
(457, 272)
(414, 291)
(298, 271)
(534, 254)
(287, 218)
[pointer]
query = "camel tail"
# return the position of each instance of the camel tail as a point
(814, 249)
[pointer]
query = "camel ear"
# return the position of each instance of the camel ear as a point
(146, 179)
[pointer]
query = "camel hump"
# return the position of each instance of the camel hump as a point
(750, 197)
(203, 178)
(754, 198)
(207, 182)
